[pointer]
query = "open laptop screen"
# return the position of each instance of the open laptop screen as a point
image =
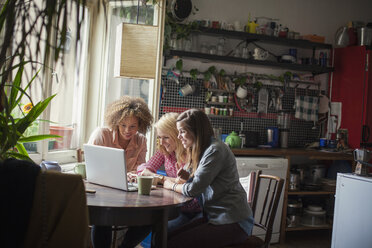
(106, 166)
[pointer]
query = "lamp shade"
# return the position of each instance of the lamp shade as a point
(136, 51)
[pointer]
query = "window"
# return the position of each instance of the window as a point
(66, 79)
(113, 88)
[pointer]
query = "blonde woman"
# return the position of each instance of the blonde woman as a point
(170, 153)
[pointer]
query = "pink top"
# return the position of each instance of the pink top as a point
(135, 153)
(159, 159)
(171, 168)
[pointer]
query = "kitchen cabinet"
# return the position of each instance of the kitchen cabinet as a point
(288, 154)
(248, 37)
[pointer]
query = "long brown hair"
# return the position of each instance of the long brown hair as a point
(197, 123)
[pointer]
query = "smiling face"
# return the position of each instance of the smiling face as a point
(166, 141)
(185, 135)
(128, 127)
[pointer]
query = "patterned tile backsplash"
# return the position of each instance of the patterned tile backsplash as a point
(300, 133)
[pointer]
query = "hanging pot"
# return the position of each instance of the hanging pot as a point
(181, 9)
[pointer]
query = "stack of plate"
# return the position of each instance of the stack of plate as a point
(314, 216)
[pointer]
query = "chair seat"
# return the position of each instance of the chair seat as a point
(250, 242)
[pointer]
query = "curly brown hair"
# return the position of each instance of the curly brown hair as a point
(128, 106)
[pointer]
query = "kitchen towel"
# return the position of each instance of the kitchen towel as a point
(307, 108)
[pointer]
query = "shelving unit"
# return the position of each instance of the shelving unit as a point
(315, 69)
(248, 37)
(288, 153)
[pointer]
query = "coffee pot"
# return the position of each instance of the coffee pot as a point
(362, 157)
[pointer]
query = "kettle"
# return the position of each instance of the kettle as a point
(342, 37)
(233, 140)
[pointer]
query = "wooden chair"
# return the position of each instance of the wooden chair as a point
(264, 210)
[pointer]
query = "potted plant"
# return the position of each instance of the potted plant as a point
(17, 51)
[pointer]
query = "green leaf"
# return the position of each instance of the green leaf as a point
(38, 137)
(21, 149)
(179, 65)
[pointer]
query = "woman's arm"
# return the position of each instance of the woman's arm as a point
(172, 185)
(153, 164)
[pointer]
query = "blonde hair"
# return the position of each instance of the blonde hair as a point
(197, 123)
(128, 106)
(167, 124)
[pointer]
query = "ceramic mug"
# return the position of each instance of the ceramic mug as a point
(144, 184)
(260, 54)
(80, 169)
(187, 90)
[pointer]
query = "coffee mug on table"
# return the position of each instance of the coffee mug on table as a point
(80, 169)
(144, 184)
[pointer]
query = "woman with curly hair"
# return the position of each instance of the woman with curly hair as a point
(127, 120)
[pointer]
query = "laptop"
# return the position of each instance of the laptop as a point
(106, 166)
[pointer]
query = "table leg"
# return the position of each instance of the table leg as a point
(160, 229)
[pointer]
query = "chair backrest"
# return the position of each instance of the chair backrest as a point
(264, 214)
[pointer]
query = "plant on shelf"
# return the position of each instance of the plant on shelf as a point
(175, 30)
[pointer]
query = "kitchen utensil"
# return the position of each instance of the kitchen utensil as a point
(362, 155)
(263, 98)
(314, 218)
(317, 172)
(272, 136)
(294, 181)
(342, 37)
(364, 36)
(251, 139)
(284, 133)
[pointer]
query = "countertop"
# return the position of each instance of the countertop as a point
(310, 153)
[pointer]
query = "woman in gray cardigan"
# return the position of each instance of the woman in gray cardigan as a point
(213, 178)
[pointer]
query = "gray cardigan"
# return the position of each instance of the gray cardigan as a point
(217, 180)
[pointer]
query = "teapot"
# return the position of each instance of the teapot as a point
(233, 140)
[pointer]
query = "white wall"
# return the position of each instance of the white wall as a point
(321, 17)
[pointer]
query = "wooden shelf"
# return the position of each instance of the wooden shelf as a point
(221, 103)
(303, 228)
(263, 38)
(311, 192)
(220, 91)
(311, 154)
(219, 116)
(315, 69)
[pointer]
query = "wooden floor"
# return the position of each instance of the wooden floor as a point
(307, 239)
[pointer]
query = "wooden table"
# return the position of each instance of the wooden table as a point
(110, 207)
